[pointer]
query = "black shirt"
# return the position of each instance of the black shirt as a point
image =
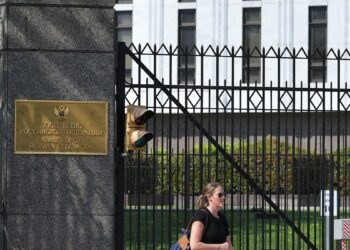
(216, 229)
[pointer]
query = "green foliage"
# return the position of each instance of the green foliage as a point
(275, 166)
(341, 168)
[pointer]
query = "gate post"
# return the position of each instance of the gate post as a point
(119, 170)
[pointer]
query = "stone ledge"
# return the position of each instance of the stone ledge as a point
(63, 2)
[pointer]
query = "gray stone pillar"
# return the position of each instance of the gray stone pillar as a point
(56, 50)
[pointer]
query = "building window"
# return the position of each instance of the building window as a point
(187, 39)
(124, 34)
(251, 39)
(124, 1)
(317, 41)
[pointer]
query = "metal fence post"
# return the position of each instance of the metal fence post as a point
(119, 171)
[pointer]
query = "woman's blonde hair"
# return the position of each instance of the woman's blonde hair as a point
(208, 191)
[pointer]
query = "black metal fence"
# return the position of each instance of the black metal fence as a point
(273, 144)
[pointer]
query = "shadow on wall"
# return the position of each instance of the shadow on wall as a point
(59, 201)
(63, 202)
(60, 28)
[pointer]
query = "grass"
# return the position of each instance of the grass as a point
(156, 229)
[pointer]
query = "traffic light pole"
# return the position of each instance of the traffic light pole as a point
(119, 134)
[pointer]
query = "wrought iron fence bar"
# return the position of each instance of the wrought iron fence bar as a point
(271, 176)
(186, 190)
(169, 148)
(248, 152)
(215, 55)
(299, 175)
(138, 188)
(316, 143)
(217, 113)
(130, 216)
(154, 216)
(225, 146)
(138, 183)
(209, 130)
(178, 164)
(332, 167)
(240, 160)
(232, 139)
(278, 141)
(308, 145)
(332, 161)
(263, 231)
(239, 87)
(201, 174)
(187, 163)
(331, 208)
(293, 146)
(180, 51)
(256, 177)
(323, 170)
(177, 160)
(198, 55)
(193, 169)
(338, 127)
(253, 154)
(192, 158)
(227, 157)
(286, 141)
(161, 132)
(259, 111)
(119, 173)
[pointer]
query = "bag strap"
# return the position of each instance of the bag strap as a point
(206, 221)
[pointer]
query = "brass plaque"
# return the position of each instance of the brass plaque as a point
(61, 127)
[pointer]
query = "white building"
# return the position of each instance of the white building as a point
(307, 24)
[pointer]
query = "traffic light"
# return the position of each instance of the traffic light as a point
(136, 134)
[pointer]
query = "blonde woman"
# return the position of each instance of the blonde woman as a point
(210, 228)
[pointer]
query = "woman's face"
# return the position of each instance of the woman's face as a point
(218, 198)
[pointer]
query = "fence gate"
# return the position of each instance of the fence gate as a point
(274, 142)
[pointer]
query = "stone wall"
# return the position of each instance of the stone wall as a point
(57, 50)
(3, 124)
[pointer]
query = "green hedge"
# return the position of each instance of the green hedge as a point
(270, 163)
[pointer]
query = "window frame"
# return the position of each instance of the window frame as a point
(124, 1)
(315, 66)
(191, 67)
(244, 66)
(128, 70)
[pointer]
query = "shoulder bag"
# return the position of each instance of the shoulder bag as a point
(184, 242)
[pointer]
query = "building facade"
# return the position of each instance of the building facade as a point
(265, 79)
(314, 28)
(311, 25)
